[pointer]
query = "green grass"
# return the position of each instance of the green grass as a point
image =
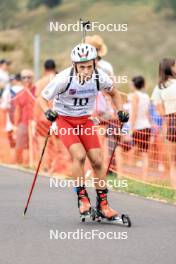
(145, 190)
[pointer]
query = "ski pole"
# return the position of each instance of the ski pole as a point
(36, 173)
(86, 25)
(112, 155)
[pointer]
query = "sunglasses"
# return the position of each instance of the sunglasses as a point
(26, 77)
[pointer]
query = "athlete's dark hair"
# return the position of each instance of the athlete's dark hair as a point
(139, 82)
(165, 71)
(49, 64)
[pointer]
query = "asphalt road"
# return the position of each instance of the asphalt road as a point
(26, 240)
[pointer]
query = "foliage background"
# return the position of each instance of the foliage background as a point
(150, 36)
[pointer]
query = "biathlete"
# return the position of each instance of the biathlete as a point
(73, 92)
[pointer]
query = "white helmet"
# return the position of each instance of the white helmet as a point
(83, 52)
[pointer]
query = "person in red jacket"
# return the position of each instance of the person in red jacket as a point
(24, 104)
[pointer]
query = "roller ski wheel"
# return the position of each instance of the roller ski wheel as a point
(85, 215)
(126, 220)
(95, 215)
(120, 220)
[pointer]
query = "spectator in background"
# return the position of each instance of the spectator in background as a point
(164, 97)
(15, 84)
(102, 50)
(157, 147)
(14, 88)
(49, 73)
(4, 74)
(24, 104)
(42, 125)
(139, 122)
(103, 104)
(5, 100)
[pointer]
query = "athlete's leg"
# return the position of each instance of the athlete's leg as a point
(94, 153)
(73, 144)
(92, 146)
(78, 155)
(96, 159)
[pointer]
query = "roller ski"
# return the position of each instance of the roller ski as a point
(103, 213)
(122, 219)
(83, 203)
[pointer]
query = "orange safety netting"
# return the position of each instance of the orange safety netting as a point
(150, 158)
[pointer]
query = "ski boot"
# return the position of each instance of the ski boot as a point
(83, 203)
(103, 213)
(102, 206)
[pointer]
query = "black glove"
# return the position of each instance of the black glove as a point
(123, 116)
(51, 115)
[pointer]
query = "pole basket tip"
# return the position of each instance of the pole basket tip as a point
(24, 211)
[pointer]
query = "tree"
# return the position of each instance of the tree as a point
(52, 3)
(8, 10)
(32, 4)
(162, 4)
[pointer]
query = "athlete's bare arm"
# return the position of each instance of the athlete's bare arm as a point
(116, 98)
(43, 103)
